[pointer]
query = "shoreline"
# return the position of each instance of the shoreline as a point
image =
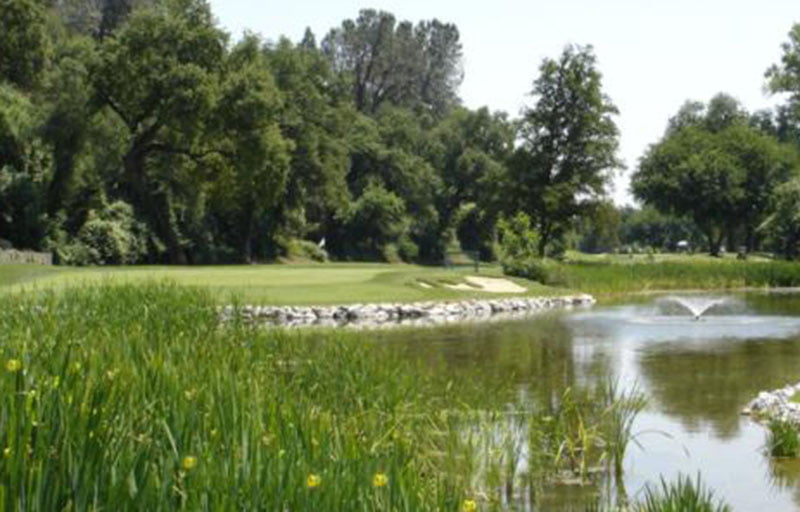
(375, 315)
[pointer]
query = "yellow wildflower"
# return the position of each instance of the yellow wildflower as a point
(380, 480)
(7, 452)
(188, 463)
(313, 481)
(13, 365)
(469, 506)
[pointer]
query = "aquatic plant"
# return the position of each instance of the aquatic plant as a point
(681, 495)
(136, 398)
(783, 439)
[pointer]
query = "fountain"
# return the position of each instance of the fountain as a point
(697, 306)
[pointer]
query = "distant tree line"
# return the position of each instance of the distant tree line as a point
(137, 131)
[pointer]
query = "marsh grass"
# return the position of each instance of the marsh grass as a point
(701, 274)
(681, 495)
(136, 398)
(783, 439)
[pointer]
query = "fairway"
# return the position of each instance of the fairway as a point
(339, 283)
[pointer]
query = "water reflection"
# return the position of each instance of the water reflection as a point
(697, 375)
(712, 384)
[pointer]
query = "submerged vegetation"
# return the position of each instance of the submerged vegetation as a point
(133, 397)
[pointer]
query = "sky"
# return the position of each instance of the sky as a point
(653, 54)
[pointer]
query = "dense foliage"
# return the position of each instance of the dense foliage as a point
(137, 131)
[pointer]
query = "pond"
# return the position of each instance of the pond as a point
(698, 375)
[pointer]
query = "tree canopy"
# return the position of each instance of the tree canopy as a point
(138, 131)
(569, 143)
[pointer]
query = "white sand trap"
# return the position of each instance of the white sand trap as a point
(488, 284)
(424, 284)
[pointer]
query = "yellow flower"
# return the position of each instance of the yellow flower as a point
(313, 481)
(380, 480)
(13, 365)
(469, 506)
(7, 452)
(188, 463)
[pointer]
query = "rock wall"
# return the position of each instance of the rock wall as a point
(394, 314)
(13, 256)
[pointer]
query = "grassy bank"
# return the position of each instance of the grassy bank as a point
(699, 274)
(335, 283)
(133, 398)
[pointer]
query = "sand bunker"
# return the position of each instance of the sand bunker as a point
(488, 284)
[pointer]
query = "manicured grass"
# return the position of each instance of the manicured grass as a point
(338, 283)
(25, 273)
(275, 284)
(134, 397)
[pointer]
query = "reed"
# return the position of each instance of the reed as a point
(134, 397)
(783, 439)
(680, 495)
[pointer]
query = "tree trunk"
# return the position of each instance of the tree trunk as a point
(713, 246)
(544, 239)
(155, 206)
(248, 225)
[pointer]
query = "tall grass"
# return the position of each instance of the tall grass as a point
(682, 495)
(135, 398)
(783, 439)
(722, 274)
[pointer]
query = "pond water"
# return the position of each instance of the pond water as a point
(697, 376)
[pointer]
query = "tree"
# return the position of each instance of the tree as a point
(469, 151)
(24, 47)
(601, 229)
(648, 227)
(785, 77)
(568, 144)
(389, 62)
(24, 166)
(249, 134)
(782, 227)
(715, 168)
(159, 76)
(314, 117)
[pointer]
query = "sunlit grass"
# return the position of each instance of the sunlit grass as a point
(684, 275)
(135, 398)
(334, 283)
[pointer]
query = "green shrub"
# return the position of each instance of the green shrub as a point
(407, 249)
(110, 236)
(542, 270)
(378, 218)
(519, 252)
(518, 240)
(305, 250)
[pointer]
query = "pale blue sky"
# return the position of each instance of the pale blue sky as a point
(654, 55)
